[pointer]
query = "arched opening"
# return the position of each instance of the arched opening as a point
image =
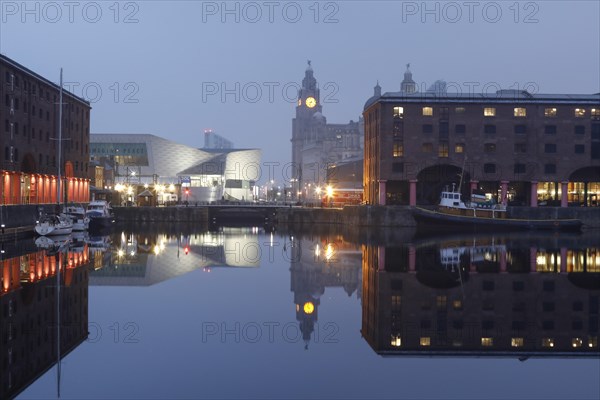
(584, 187)
(431, 181)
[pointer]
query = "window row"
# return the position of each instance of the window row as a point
(519, 112)
(520, 129)
(488, 148)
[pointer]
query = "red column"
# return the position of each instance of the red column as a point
(533, 259)
(382, 192)
(563, 259)
(534, 202)
(502, 261)
(381, 258)
(413, 192)
(504, 192)
(412, 258)
(564, 195)
(474, 186)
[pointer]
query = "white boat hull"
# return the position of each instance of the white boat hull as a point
(49, 229)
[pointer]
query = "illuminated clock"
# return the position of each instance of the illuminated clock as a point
(310, 102)
(309, 307)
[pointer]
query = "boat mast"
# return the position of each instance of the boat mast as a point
(462, 173)
(60, 106)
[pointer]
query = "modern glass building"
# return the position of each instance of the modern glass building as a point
(172, 171)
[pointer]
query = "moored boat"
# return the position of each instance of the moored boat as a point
(77, 214)
(53, 225)
(454, 213)
(100, 215)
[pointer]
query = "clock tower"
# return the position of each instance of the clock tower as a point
(303, 125)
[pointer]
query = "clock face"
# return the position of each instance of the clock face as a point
(311, 102)
(309, 307)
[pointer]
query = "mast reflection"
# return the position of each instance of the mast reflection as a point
(44, 309)
(520, 296)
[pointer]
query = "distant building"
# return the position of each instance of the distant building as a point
(212, 141)
(169, 169)
(29, 146)
(317, 144)
(517, 147)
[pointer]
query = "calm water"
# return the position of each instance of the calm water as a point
(244, 313)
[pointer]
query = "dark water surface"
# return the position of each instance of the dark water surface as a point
(244, 313)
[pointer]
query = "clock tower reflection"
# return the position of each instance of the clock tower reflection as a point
(318, 265)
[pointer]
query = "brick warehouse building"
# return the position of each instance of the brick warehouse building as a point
(29, 120)
(517, 147)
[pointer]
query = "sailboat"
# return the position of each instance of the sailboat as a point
(56, 224)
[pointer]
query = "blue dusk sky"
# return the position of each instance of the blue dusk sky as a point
(174, 68)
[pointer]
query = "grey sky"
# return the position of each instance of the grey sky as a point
(178, 50)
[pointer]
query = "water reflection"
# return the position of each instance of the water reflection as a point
(507, 296)
(144, 259)
(517, 296)
(44, 308)
(318, 263)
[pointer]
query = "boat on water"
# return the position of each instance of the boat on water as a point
(77, 214)
(483, 214)
(100, 215)
(53, 225)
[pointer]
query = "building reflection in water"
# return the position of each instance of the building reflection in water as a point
(34, 334)
(316, 264)
(523, 296)
(144, 259)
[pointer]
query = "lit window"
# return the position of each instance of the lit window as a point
(459, 148)
(580, 112)
(398, 150)
(550, 112)
(593, 341)
(398, 112)
(425, 341)
(457, 305)
(396, 341)
(520, 112)
(396, 301)
(427, 147)
(516, 342)
(441, 301)
(547, 342)
(577, 342)
(459, 110)
(489, 112)
(443, 150)
(428, 111)
(487, 341)
(595, 113)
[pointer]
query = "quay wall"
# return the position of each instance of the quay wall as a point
(161, 214)
(376, 216)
